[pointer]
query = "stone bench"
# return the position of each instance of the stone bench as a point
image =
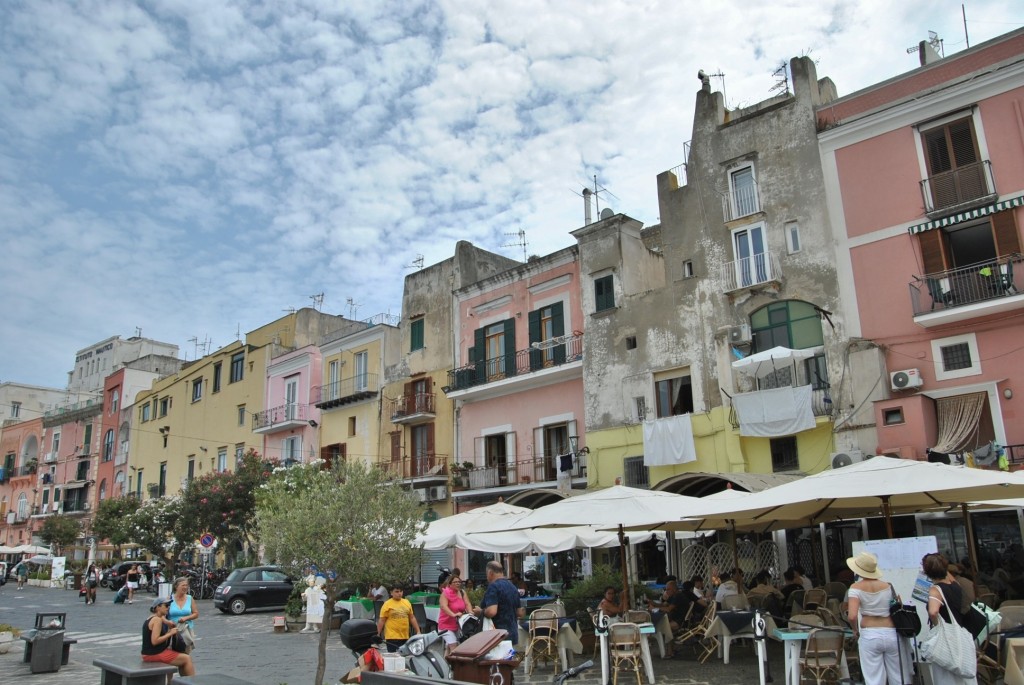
(209, 679)
(135, 673)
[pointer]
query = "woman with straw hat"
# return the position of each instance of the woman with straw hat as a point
(868, 613)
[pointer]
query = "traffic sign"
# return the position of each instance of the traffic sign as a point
(90, 541)
(207, 540)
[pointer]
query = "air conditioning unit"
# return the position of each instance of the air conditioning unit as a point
(906, 379)
(422, 494)
(437, 493)
(739, 335)
(841, 459)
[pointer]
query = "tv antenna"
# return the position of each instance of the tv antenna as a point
(416, 263)
(198, 345)
(596, 192)
(238, 331)
(353, 308)
(318, 300)
(138, 332)
(933, 40)
(721, 77)
(521, 242)
(781, 79)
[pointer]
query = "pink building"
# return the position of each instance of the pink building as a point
(925, 181)
(290, 420)
(20, 446)
(519, 384)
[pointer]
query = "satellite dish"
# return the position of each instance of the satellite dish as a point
(607, 213)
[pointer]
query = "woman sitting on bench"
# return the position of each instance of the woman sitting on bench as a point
(157, 634)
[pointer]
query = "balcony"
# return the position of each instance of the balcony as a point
(992, 287)
(281, 418)
(741, 201)
(421, 468)
(552, 361)
(524, 473)
(412, 409)
(347, 391)
(958, 189)
(751, 272)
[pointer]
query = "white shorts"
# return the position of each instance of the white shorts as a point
(449, 637)
(133, 585)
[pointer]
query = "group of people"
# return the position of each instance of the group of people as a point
(171, 616)
(501, 604)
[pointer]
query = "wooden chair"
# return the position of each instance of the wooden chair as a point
(836, 590)
(735, 603)
(1011, 603)
(795, 602)
(543, 629)
(1011, 616)
(823, 654)
(814, 598)
(801, 621)
(624, 648)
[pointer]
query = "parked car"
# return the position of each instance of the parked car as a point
(253, 587)
(3, 572)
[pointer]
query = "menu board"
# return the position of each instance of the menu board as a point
(900, 562)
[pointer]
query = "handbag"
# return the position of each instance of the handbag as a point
(950, 647)
(187, 635)
(904, 616)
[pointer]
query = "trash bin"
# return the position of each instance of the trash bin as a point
(163, 590)
(470, 665)
(47, 650)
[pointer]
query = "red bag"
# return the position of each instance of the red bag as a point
(372, 660)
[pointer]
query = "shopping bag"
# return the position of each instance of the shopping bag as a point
(951, 647)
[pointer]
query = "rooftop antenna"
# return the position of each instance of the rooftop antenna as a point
(195, 345)
(416, 263)
(781, 79)
(353, 308)
(521, 242)
(721, 77)
(318, 300)
(934, 41)
(290, 310)
(238, 331)
(138, 332)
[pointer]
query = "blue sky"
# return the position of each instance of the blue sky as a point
(194, 168)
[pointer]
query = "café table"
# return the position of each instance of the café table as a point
(357, 608)
(793, 639)
(732, 625)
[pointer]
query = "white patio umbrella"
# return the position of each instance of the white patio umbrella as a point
(763, 363)
(31, 549)
(4, 549)
(444, 532)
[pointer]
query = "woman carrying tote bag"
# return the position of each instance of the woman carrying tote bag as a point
(948, 647)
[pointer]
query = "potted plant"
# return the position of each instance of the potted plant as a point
(293, 608)
(8, 634)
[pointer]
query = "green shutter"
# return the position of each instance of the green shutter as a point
(510, 347)
(478, 355)
(536, 356)
(557, 330)
(416, 335)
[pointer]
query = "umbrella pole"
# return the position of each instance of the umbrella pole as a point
(971, 553)
(887, 513)
(623, 541)
(735, 552)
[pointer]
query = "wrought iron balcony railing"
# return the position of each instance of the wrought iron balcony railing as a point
(968, 285)
(963, 186)
(568, 348)
(409, 408)
(523, 472)
(346, 391)
(420, 466)
(750, 271)
(285, 414)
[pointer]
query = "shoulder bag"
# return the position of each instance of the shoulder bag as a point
(950, 647)
(904, 616)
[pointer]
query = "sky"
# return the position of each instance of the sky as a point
(195, 169)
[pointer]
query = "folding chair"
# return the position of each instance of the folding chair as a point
(624, 647)
(822, 654)
(543, 628)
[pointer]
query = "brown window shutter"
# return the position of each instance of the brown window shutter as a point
(430, 439)
(396, 445)
(1004, 229)
(932, 251)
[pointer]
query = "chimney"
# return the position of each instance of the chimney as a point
(586, 206)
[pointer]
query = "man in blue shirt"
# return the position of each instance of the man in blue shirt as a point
(501, 601)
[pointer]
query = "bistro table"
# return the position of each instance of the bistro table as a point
(732, 625)
(793, 639)
(357, 608)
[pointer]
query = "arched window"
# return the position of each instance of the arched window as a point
(23, 506)
(108, 445)
(796, 325)
(103, 489)
(119, 484)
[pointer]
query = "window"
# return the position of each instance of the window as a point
(162, 485)
(144, 412)
(640, 404)
(604, 293)
(22, 507)
(743, 192)
(494, 350)
(108, 445)
(119, 484)
(291, 449)
(635, 474)
(416, 335)
(237, 367)
(630, 342)
(956, 357)
(197, 389)
(165, 404)
(956, 173)
(222, 459)
(82, 472)
(422, 441)
(892, 417)
(86, 441)
(791, 324)
(674, 393)
(688, 268)
(752, 263)
(792, 237)
(546, 323)
(351, 426)
(138, 484)
(784, 455)
(115, 397)
(361, 364)
(56, 442)
(241, 415)
(333, 376)
(239, 452)
(216, 376)
(968, 243)
(191, 473)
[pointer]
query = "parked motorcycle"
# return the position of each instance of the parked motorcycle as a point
(425, 656)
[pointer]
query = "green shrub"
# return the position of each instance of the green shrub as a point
(587, 593)
(8, 628)
(296, 605)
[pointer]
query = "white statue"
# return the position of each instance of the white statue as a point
(314, 596)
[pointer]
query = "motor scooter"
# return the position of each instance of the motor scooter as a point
(359, 635)
(425, 656)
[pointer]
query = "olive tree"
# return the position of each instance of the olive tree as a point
(59, 530)
(351, 523)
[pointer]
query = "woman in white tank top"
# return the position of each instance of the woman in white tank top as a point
(868, 613)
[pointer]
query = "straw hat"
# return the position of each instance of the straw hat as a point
(864, 565)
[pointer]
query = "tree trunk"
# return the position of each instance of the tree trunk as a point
(325, 627)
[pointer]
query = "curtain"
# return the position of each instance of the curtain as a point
(958, 420)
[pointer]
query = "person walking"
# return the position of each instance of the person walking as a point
(157, 633)
(868, 614)
(22, 574)
(501, 601)
(396, 618)
(454, 604)
(132, 581)
(92, 581)
(183, 610)
(945, 598)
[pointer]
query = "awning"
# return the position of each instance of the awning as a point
(975, 213)
(74, 485)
